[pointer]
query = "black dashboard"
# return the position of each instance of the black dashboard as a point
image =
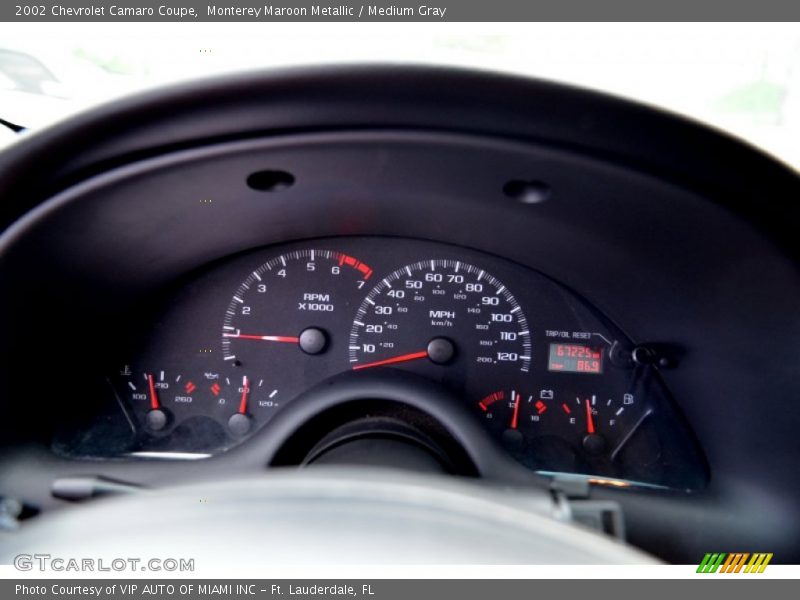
(598, 289)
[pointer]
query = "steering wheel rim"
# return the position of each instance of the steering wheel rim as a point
(325, 515)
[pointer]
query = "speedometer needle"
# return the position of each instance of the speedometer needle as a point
(393, 360)
(264, 338)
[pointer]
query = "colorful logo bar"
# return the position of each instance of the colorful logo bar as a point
(735, 562)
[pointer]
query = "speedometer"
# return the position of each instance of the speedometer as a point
(450, 319)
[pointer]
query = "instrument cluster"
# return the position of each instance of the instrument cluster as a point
(554, 382)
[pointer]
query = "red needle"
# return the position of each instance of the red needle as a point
(264, 338)
(589, 419)
(153, 396)
(393, 360)
(245, 391)
(515, 416)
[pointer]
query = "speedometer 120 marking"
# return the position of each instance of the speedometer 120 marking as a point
(443, 312)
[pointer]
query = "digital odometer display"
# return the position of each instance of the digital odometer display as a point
(575, 358)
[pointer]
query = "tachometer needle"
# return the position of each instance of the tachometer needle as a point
(264, 338)
(515, 417)
(154, 404)
(245, 392)
(589, 418)
(393, 360)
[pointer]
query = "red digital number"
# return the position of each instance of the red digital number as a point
(588, 366)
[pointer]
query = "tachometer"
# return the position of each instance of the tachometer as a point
(450, 319)
(288, 301)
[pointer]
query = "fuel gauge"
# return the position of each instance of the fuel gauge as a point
(600, 421)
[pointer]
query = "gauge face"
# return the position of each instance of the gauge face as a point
(284, 305)
(449, 320)
(523, 423)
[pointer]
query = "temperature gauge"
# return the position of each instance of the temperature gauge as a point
(155, 396)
